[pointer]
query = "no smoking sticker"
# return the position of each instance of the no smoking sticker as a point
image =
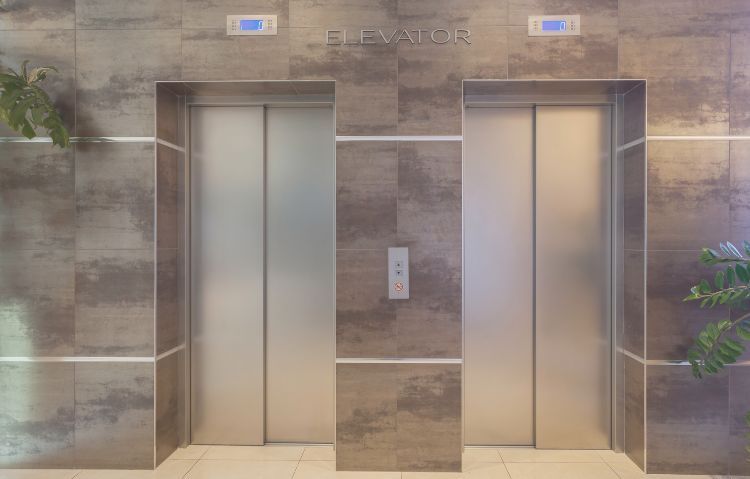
(398, 286)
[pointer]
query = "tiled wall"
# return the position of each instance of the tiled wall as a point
(77, 245)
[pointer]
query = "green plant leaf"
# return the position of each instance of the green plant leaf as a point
(719, 280)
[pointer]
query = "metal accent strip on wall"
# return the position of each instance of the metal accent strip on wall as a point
(698, 138)
(670, 362)
(80, 139)
(399, 361)
(401, 138)
(90, 359)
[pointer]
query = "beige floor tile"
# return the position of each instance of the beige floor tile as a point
(610, 456)
(233, 469)
(169, 469)
(193, 451)
(481, 454)
(520, 470)
(255, 453)
(37, 473)
(327, 470)
(476, 470)
(627, 470)
(432, 475)
(319, 453)
(526, 454)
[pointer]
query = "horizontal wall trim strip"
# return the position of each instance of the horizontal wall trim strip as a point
(401, 138)
(170, 352)
(76, 359)
(699, 138)
(80, 139)
(170, 145)
(670, 362)
(632, 144)
(398, 361)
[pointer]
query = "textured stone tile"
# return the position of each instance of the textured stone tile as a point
(687, 430)
(366, 162)
(213, 13)
(37, 303)
(366, 86)
(134, 14)
(169, 400)
(37, 197)
(633, 302)
(595, 12)
(168, 119)
(170, 328)
(634, 424)
(366, 399)
(739, 93)
(688, 194)
(337, 13)
(114, 196)
(115, 303)
(429, 323)
(594, 52)
(442, 13)
(169, 169)
(739, 406)
(114, 415)
(686, 62)
(116, 70)
(36, 415)
(365, 318)
(634, 119)
(430, 76)
(739, 199)
(429, 417)
(672, 324)
(429, 195)
(634, 197)
(38, 15)
(212, 55)
(43, 48)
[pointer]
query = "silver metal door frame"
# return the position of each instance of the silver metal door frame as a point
(264, 101)
(616, 200)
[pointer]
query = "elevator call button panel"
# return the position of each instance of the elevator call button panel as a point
(398, 273)
(251, 24)
(554, 25)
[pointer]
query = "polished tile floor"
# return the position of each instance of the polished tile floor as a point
(292, 462)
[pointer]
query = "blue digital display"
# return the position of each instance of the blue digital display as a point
(554, 25)
(252, 25)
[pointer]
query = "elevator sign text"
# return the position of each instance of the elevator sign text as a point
(415, 36)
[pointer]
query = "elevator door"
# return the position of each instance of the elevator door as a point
(262, 258)
(537, 185)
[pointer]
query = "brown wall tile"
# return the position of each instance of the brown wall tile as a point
(169, 169)
(170, 328)
(442, 13)
(114, 415)
(133, 14)
(634, 197)
(634, 381)
(37, 202)
(688, 194)
(169, 414)
(115, 74)
(336, 13)
(429, 417)
(36, 415)
(633, 302)
(687, 429)
(739, 96)
(366, 402)
(739, 199)
(739, 407)
(42, 48)
(115, 303)
(38, 15)
(213, 13)
(595, 12)
(114, 196)
(634, 115)
(37, 303)
(168, 114)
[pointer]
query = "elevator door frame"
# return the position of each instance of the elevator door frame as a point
(534, 101)
(264, 101)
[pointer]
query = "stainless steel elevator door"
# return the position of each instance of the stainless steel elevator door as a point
(573, 264)
(226, 171)
(300, 275)
(498, 284)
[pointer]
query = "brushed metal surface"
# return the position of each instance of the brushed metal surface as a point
(573, 263)
(498, 276)
(300, 279)
(226, 154)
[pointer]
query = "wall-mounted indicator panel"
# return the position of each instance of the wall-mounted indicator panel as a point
(554, 25)
(251, 24)
(398, 273)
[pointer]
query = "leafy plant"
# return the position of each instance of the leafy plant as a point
(722, 343)
(25, 106)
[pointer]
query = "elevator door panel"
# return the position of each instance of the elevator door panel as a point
(573, 261)
(498, 259)
(300, 275)
(226, 170)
